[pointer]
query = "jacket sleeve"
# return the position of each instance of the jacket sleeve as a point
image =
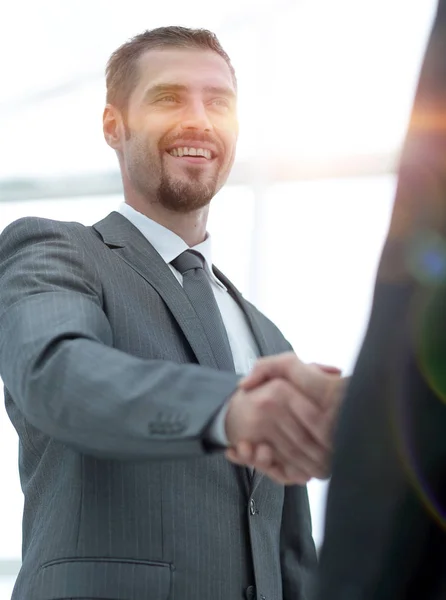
(59, 365)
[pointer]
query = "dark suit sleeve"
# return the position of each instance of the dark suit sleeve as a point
(58, 362)
(384, 535)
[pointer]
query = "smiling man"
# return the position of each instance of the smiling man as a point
(175, 134)
(150, 468)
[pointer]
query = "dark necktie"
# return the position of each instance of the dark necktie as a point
(198, 288)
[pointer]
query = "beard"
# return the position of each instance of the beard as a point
(186, 195)
(183, 195)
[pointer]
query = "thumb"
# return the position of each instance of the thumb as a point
(328, 369)
(280, 365)
(266, 368)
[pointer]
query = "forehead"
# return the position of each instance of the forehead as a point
(194, 68)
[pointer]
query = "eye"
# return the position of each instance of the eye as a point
(167, 99)
(222, 103)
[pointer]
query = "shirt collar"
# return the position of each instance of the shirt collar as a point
(168, 244)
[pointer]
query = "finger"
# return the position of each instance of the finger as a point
(285, 432)
(242, 453)
(288, 448)
(264, 460)
(289, 435)
(316, 424)
(316, 384)
(319, 424)
(245, 450)
(254, 379)
(263, 456)
(267, 368)
(311, 380)
(328, 369)
(301, 446)
(325, 474)
(232, 455)
(278, 474)
(297, 472)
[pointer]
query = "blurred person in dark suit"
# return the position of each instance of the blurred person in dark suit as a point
(122, 348)
(385, 535)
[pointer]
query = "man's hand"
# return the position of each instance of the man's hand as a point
(275, 418)
(280, 420)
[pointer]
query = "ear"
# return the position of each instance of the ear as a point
(112, 126)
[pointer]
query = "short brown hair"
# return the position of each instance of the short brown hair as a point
(122, 67)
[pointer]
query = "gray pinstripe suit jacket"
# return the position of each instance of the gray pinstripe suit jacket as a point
(124, 499)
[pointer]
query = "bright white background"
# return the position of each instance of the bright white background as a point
(318, 79)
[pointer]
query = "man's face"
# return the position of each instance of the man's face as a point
(181, 128)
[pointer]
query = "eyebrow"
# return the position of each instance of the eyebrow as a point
(176, 87)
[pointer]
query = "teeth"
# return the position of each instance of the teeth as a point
(191, 152)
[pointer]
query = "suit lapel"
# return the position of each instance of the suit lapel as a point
(132, 247)
(250, 314)
(262, 343)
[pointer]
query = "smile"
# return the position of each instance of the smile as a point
(187, 151)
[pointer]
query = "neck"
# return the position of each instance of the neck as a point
(190, 227)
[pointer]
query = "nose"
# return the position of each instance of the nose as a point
(196, 117)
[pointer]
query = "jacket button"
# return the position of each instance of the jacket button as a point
(250, 593)
(253, 507)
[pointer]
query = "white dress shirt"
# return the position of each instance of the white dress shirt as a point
(169, 245)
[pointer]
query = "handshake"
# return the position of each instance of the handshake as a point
(280, 420)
